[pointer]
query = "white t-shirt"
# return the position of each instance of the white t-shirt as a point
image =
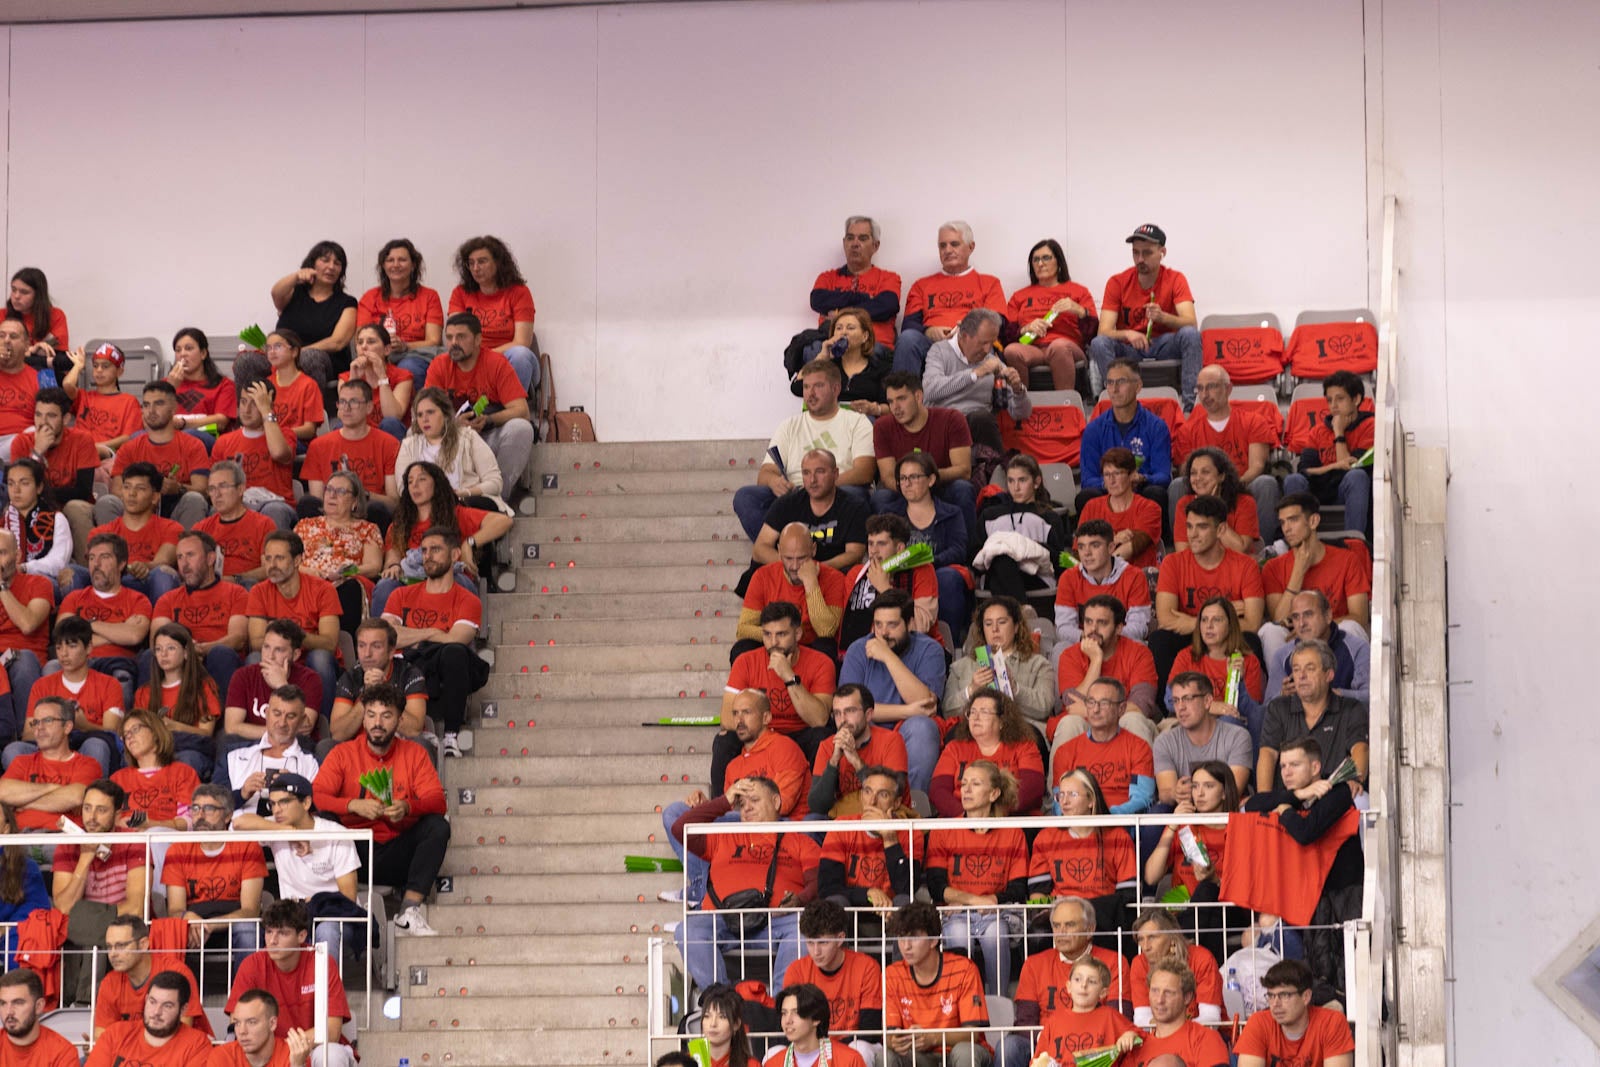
(302, 877)
(848, 435)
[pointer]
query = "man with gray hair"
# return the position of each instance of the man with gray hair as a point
(1311, 618)
(1042, 987)
(858, 284)
(936, 303)
(966, 372)
(239, 528)
(1337, 723)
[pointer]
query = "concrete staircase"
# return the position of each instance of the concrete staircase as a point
(625, 616)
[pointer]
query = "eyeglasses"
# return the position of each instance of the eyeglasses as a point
(1069, 794)
(982, 713)
(1044, 258)
(1103, 705)
(914, 477)
(352, 401)
(1282, 995)
(223, 485)
(336, 490)
(207, 809)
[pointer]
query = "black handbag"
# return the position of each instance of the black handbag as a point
(748, 923)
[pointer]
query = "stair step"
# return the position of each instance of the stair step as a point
(610, 456)
(522, 1047)
(659, 504)
(616, 659)
(454, 1011)
(601, 981)
(559, 714)
(563, 889)
(515, 857)
(554, 531)
(523, 830)
(502, 792)
(712, 631)
(590, 685)
(578, 581)
(630, 740)
(490, 769)
(512, 935)
(587, 553)
(571, 484)
(621, 606)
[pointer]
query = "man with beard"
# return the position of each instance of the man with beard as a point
(905, 673)
(211, 884)
(95, 885)
(123, 989)
(436, 621)
(305, 868)
(410, 833)
(1342, 575)
(473, 373)
(119, 617)
(887, 537)
(1148, 313)
(213, 610)
(376, 640)
(310, 601)
(798, 682)
(795, 577)
(255, 1042)
(763, 753)
(180, 462)
(25, 603)
(159, 1038)
(27, 1042)
(287, 970)
(858, 744)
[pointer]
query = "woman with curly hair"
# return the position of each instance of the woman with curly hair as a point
(991, 729)
(1015, 664)
(493, 289)
(1210, 472)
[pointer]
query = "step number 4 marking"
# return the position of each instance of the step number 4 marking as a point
(530, 551)
(490, 710)
(550, 480)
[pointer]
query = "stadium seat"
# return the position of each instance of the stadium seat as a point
(1262, 400)
(1001, 1013)
(1062, 486)
(1327, 341)
(1249, 347)
(1161, 399)
(146, 360)
(1156, 373)
(223, 350)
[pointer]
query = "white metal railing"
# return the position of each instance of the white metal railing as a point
(661, 1017)
(150, 839)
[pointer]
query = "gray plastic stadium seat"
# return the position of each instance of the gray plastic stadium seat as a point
(1340, 315)
(1306, 391)
(146, 359)
(1161, 372)
(1242, 321)
(1063, 487)
(1055, 398)
(1001, 1013)
(224, 347)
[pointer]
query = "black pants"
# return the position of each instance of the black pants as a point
(454, 672)
(413, 859)
(726, 745)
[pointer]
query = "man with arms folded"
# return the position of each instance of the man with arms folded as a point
(1119, 759)
(823, 424)
(1198, 738)
(938, 301)
(1311, 619)
(216, 887)
(837, 521)
(905, 673)
(47, 784)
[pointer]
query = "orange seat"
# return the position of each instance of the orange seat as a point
(1250, 354)
(1164, 407)
(1050, 434)
(1317, 349)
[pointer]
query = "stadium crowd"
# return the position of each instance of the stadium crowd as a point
(244, 601)
(926, 631)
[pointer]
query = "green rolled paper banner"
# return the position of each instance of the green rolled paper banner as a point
(909, 558)
(1028, 338)
(687, 720)
(1366, 458)
(647, 864)
(380, 783)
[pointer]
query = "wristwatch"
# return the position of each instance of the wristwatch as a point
(272, 416)
(792, 681)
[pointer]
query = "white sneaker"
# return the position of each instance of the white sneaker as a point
(413, 921)
(464, 739)
(671, 896)
(450, 746)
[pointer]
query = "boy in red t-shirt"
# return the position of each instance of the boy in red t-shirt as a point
(108, 414)
(1329, 467)
(1090, 1024)
(150, 540)
(1205, 569)
(370, 454)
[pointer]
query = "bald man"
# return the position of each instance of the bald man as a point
(819, 592)
(1246, 438)
(836, 521)
(25, 604)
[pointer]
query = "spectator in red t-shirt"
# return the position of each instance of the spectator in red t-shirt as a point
(1105, 652)
(1101, 570)
(1209, 472)
(437, 621)
(148, 539)
(238, 530)
(355, 447)
(1057, 344)
(158, 1037)
(99, 701)
(1213, 790)
(858, 284)
(30, 304)
(410, 312)
(25, 604)
(109, 415)
(857, 744)
(427, 501)
(1148, 313)
(19, 383)
(937, 302)
(208, 402)
(796, 577)
(1119, 759)
(158, 786)
(1292, 1030)
(798, 681)
(44, 785)
(1343, 575)
(255, 1020)
(391, 384)
(475, 374)
(69, 456)
(1329, 468)
(297, 377)
(1207, 568)
(1171, 1034)
(286, 968)
(263, 448)
(179, 460)
(410, 832)
(27, 1039)
(211, 884)
(494, 291)
(181, 692)
(290, 593)
(1215, 642)
(212, 610)
(1244, 436)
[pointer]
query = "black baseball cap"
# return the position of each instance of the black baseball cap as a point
(1149, 232)
(295, 785)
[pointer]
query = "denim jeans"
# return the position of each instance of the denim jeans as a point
(1181, 345)
(750, 504)
(911, 350)
(985, 933)
(1354, 493)
(921, 735)
(702, 937)
(695, 868)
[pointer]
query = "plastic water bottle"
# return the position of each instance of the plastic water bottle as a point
(405, 1061)
(1233, 994)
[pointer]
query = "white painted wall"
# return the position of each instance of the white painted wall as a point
(672, 177)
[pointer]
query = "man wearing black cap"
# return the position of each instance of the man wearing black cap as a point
(1148, 313)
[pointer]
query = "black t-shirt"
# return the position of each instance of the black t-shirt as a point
(840, 525)
(405, 677)
(310, 319)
